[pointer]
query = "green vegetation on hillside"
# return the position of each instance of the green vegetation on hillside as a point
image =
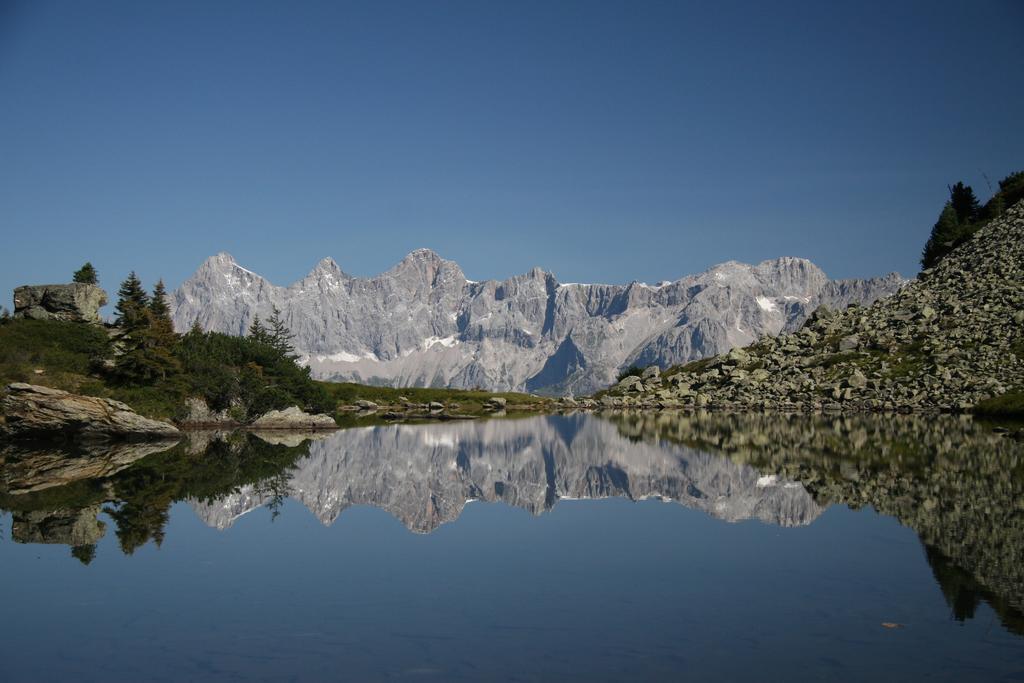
(145, 364)
(962, 216)
(1010, 404)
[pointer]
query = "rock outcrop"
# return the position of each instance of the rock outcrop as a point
(422, 323)
(293, 418)
(75, 302)
(32, 411)
(946, 341)
(199, 414)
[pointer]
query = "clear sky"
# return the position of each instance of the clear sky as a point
(605, 141)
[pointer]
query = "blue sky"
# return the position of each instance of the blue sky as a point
(604, 141)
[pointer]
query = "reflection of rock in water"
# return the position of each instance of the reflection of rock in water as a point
(954, 481)
(425, 474)
(24, 469)
(68, 526)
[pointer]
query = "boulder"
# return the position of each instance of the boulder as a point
(293, 418)
(628, 382)
(35, 411)
(849, 343)
(495, 403)
(651, 372)
(201, 415)
(366, 405)
(77, 302)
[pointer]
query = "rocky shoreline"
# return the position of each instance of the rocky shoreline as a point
(946, 342)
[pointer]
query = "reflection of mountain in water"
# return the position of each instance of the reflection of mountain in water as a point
(424, 475)
(958, 484)
(954, 481)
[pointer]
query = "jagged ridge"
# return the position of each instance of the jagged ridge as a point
(422, 323)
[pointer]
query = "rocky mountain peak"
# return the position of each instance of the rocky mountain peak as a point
(422, 324)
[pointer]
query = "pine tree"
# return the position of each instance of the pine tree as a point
(147, 334)
(86, 274)
(964, 203)
(257, 332)
(1011, 188)
(158, 304)
(945, 234)
(132, 303)
(279, 336)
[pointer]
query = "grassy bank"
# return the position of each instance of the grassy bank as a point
(347, 393)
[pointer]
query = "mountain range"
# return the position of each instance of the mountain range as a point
(423, 323)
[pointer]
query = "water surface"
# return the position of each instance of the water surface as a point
(622, 547)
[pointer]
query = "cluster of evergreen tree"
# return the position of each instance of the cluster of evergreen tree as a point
(963, 215)
(246, 375)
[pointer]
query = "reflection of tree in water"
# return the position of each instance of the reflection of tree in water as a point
(138, 499)
(955, 482)
(964, 593)
(84, 553)
(275, 490)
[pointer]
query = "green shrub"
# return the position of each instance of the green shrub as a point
(1010, 404)
(633, 371)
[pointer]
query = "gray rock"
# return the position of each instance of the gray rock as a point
(75, 302)
(495, 403)
(293, 418)
(652, 372)
(200, 415)
(628, 382)
(35, 411)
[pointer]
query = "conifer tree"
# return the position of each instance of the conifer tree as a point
(147, 336)
(257, 332)
(964, 203)
(945, 233)
(132, 303)
(279, 336)
(158, 304)
(86, 274)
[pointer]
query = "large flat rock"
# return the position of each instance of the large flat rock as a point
(35, 411)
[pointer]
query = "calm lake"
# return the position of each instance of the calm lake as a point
(565, 548)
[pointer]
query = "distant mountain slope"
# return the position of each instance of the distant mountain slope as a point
(422, 323)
